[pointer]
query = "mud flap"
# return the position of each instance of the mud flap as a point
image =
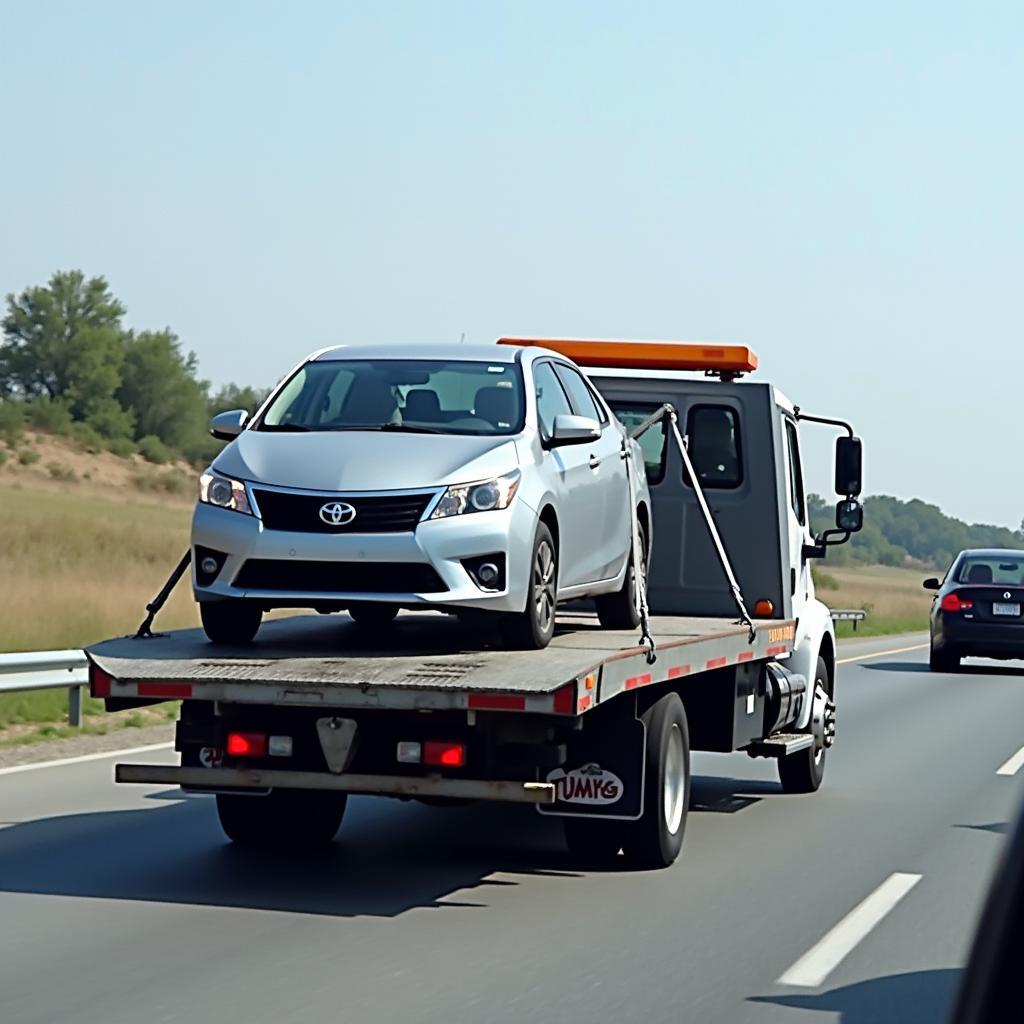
(603, 776)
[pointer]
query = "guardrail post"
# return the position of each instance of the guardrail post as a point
(75, 705)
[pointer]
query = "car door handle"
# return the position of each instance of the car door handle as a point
(594, 462)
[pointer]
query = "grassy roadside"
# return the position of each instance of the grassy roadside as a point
(892, 597)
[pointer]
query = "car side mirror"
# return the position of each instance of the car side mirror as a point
(849, 466)
(850, 516)
(931, 583)
(574, 430)
(226, 426)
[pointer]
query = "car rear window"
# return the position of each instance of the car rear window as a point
(714, 446)
(980, 570)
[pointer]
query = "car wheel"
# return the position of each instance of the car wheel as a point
(283, 818)
(231, 621)
(943, 659)
(373, 615)
(619, 610)
(533, 628)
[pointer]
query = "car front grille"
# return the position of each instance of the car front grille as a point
(300, 513)
(271, 574)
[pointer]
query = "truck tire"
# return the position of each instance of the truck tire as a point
(592, 842)
(533, 628)
(233, 621)
(803, 771)
(656, 839)
(619, 610)
(284, 818)
(943, 659)
(372, 614)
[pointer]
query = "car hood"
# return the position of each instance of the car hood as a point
(364, 460)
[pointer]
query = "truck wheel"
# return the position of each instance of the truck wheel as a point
(942, 659)
(533, 628)
(593, 842)
(656, 839)
(618, 610)
(283, 818)
(803, 771)
(373, 615)
(230, 622)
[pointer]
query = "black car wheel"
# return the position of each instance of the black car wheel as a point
(233, 621)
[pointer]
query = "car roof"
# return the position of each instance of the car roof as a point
(421, 350)
(993, 553)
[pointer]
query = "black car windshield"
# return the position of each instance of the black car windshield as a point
(1001, 571)
(429, 396)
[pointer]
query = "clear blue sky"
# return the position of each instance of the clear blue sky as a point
(836, 184)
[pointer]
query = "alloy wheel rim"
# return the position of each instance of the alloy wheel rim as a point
(544, 586)
(674, 793)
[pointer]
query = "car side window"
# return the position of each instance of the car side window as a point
(653, 441)
(551, 397)
(714, 446)
(583, 401)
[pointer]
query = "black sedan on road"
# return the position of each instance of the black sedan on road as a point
(977, 608)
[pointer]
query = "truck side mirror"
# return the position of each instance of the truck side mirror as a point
(849, 466)
(226, 426)
(850, 516)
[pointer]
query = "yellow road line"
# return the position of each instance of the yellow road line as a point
(881, 654)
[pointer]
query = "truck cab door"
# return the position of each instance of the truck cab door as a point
(800, 584)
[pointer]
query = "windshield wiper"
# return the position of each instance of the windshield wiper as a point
(408, 428)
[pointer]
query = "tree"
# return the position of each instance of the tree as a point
(63, 341)
(234, 396)
(160, 388)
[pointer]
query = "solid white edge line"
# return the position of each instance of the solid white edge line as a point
(1013, 765)
(84, 757)
(826, 955)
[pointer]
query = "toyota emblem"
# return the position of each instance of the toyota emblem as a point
(337, 513)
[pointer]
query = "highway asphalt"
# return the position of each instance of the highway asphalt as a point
(122, 905)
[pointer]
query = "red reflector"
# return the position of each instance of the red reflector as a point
(954, 603)
(448, 755)
(99, 682)
(177, 691)
(247, 744)
(496, 702)
(565, 700)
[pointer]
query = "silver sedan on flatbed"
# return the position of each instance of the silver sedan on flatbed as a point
(455, 477)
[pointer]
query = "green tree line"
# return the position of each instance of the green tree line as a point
(898, 532)
(68, 365)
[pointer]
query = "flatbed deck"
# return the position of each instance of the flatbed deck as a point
(429, 661)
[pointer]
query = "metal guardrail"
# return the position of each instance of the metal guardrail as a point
(853, 615)
(47, 670)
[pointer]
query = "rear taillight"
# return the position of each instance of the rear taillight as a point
(955, 603)
(99, 682)
(247, 744)
(447, 755)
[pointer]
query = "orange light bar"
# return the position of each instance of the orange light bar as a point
(647, 355)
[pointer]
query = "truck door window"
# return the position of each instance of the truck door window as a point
(796, 476)
(551, 399)
(583, 402)
(652, 442)
(714, 446)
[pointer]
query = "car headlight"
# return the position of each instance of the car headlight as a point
(224, 492)
(484, 496)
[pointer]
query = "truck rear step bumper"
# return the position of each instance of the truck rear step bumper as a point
(258, 780)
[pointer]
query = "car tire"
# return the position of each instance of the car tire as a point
(281, 819)
(372, 614)
(943, 659)
(654, 841)
(804, 771)
(533, 628)
(619, 610)
(230, 622)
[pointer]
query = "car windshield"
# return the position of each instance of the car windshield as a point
(430, 396)
(1004, 571)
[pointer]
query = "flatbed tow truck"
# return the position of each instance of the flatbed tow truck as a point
(597, 728)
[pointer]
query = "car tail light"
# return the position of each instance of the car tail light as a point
(247, 744)
(955, 603)
(99, 682)
(447, 755)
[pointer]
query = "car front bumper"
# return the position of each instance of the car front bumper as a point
(440, 545)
